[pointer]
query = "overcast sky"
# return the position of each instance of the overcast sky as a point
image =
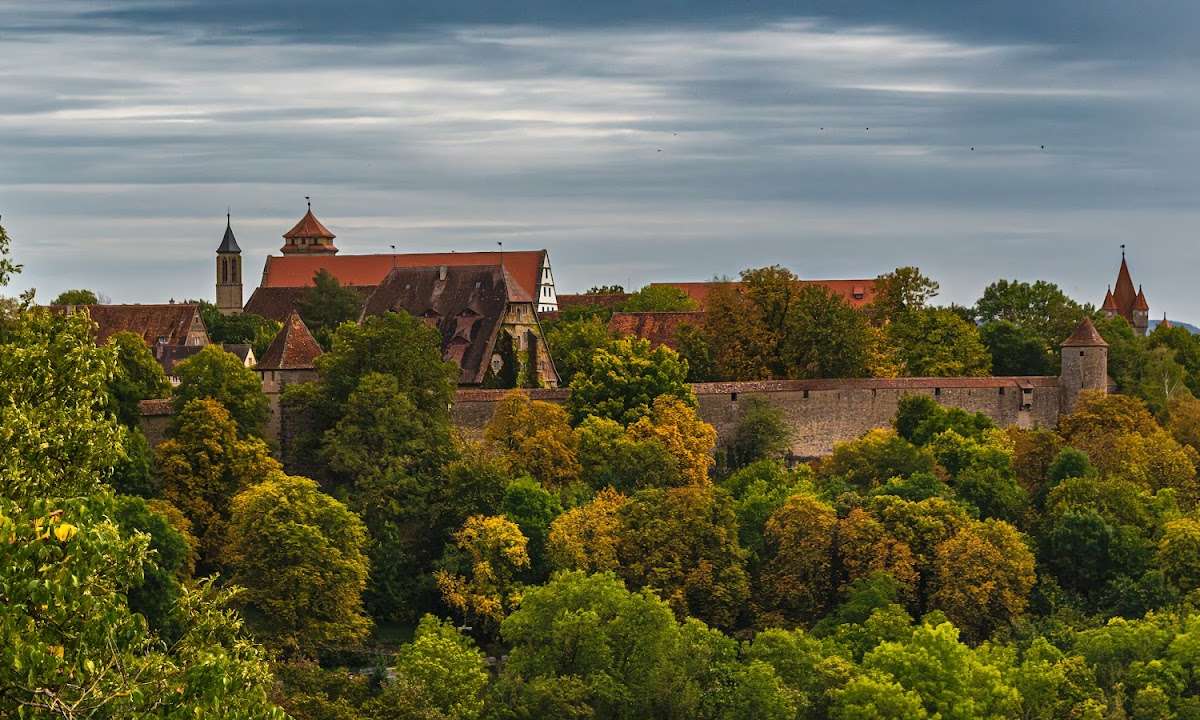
(636, 141)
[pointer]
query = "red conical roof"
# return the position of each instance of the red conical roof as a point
(1110, 304)
(1165, 322)
(1140, 303)
(293, 348)
(1085, 335)
(308, 227)
(1124, 295)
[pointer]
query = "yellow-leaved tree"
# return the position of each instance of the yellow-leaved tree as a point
(586, 538)
(681, 431)
(797, 578)
(536, 438)
(492, 551)
(982, 577)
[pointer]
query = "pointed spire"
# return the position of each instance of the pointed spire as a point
(1165, 322)
(1110, 305)
(229, 242)
(293, 348)
(1123, 294)
(1140, 303)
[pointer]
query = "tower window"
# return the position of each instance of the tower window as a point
(1080, 353)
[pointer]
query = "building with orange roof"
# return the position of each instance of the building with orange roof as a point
(308, 248)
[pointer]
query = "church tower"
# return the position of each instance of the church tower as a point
(229, 273)
(1124, 301)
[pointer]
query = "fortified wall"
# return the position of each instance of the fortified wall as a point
(819, 413)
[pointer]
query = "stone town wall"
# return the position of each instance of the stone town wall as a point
(821, 413)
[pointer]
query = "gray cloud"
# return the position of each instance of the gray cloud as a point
(126, 131)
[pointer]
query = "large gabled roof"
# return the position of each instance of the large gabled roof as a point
(168, 322)
(294, 347)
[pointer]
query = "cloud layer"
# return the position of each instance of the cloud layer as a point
(659, 148)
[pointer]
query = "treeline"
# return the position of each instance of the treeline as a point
(603, 559)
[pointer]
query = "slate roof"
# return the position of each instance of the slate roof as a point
(525, 266)
(293, 348)
(229, 242)
(660, 328)
(1085, 335)
(171, 321)
(277, 303)
(858, 293)
(466, 304)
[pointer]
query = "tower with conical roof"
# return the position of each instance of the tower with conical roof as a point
(229, 272)
(308, 237)
(1084, 365)
(1123, 300)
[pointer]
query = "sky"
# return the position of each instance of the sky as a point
(635, 140)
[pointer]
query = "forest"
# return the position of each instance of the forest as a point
(606, 558)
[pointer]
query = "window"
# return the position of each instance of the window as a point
(937, 391)
(733, 397)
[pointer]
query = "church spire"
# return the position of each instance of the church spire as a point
(229, 242)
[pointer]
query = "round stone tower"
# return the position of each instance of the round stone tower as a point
(1084, 365)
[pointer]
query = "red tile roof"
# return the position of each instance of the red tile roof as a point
(1110, 303)
(660, 328)
(308, 227)
(1140, 303)
(171, 322)
(1085, 335)
(607, 300)
(293, 348)
(858, 293)
(1124, 296)
(525, 266)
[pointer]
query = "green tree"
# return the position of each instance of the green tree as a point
(900, 291)
(241, 328)
(1016, 349)
(203, 465)
(684, 543)
(76, 297)
(1040, 308)
(824, 337)
(156, 595)
(138, 377)
(874, 697)
(326, 305)
(658, 298)
(440, 675)
(217, 375)
(761, 433)
(983, 575)
(536, 438)
(609, 456)
(936, 342)
(875, 458)
(1179, 553)
(572, 343)
(532, 508)
(623, 382)
(299, 554)
(797, 580)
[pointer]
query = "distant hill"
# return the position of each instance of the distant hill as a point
(1191, 328)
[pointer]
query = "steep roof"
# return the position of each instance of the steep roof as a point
(293, 348)
(1085, 335)
(171, 322)
(1110, 303)
(277, 303)
(229, 242)
(1124, 295)
(525, 267)
(660, 328)
(858, 293)
(308, 227)
(466, 304)
(1140, 303)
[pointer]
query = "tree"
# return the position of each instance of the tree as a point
(1161, 381)
(1039, 308)
(67, 652)
(586, 537)
(623, 382)
(982, 577)
(679, 429)
(740, 342)
(609, 456)
(493, 553)
(156, 595)
(536, 438)
(217, 375)
(900, 291)
(572, 343)
(1179, 553)
(761, 433)
(1183, 421)
(76, 297)
(935, 342)
(873, 697)
(758, 491)
(138, 377)
(866, 548)
(824, 337)
(1126, 351)
(875, 458)
(658, 298)
(951, 680)
(440, 675)
(1016, 350)
(299, 554)
(204, 465)
(532, 508)
(326, 305)
(693, 347)
(797, 580)
(684, 543)
(241, 328)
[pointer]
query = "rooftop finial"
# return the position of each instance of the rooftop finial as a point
(308, 201)
(228, 215)
(1122, 251)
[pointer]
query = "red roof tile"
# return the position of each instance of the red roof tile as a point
(308, 227)
(607, 300)
(170, 322)
(293, 348)
(277, 303)
(660, 328)
(1085, 335)
(1140, 303)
